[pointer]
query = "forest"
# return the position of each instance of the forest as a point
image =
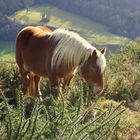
(121, 16)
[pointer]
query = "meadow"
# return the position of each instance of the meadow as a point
(89, 29)
(76, 114)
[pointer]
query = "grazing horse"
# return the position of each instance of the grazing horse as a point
(55, 55)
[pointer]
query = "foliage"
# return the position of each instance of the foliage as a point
(76, 114)
(72, 116)
(14, 5)
(56, 120)
(123, 74)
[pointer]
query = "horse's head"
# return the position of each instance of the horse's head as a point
(93, 70)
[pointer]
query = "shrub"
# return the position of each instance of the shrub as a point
(56, 121)
(123, 74)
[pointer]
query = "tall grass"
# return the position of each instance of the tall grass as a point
(56, 121)
(72, 116)
(76, 114)
(123, 74)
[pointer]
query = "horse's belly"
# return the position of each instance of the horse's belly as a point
(36, 69)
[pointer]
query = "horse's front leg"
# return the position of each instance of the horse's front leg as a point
(67, 79)
(65, 82)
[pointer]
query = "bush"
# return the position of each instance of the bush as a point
(56, 121)
(73, 115)
(123, 74)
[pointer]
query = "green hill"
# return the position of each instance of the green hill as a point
(92, 31)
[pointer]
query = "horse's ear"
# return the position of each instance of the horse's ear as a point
(103, 51)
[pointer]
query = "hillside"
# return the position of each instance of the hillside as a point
(7, 51)
(89, 29)
(76, 114)
(50, 15)
(121, 16)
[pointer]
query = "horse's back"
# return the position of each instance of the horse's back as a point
(26, 33)
(44, 28)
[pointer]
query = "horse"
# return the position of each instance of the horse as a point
(57, 54)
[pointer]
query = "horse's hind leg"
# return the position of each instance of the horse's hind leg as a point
(31, 85)
(25, 78)
(23, 72)
(37, 91)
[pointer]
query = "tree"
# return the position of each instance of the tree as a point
(27, 4)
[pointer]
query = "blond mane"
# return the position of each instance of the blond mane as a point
(71, 50)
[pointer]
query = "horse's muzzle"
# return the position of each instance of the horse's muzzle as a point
(98, 91)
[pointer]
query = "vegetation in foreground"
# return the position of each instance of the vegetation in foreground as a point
(76, 114)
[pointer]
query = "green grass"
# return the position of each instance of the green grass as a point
(76, 114)
(7, 50)
(90, 30)
(31, 17)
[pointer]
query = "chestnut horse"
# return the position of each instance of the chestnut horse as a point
(55, 55)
